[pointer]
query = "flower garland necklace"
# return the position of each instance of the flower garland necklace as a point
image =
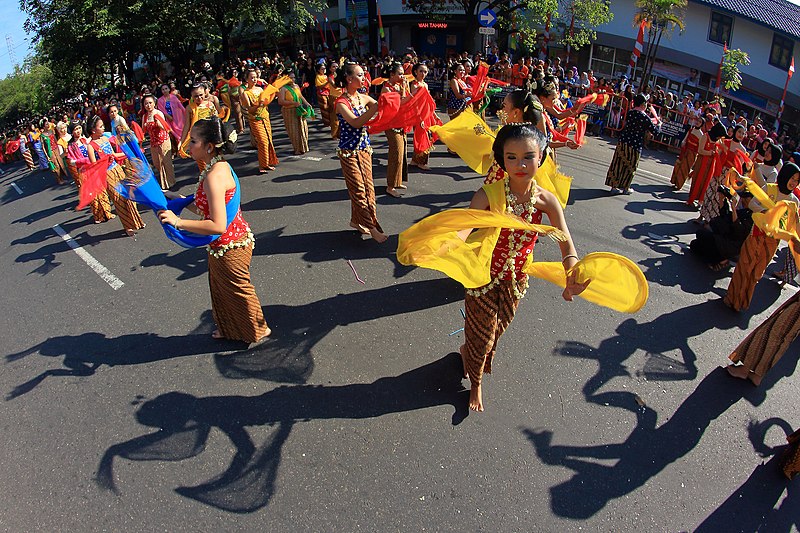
(248, 240)
(214, 160)
(524, 210)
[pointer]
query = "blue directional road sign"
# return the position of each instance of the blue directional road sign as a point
(487, 18)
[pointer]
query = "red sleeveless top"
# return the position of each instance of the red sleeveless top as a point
(238, 229)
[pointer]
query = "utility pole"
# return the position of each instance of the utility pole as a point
(12, 56)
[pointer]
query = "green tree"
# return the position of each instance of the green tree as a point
(662, 16)
(580, 18)
(731, 60)
(25, 93)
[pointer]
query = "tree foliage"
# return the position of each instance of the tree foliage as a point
(731, 61)
(579, 18)
(87, 42)
(24, 93)
(573, 21)
(661, 16)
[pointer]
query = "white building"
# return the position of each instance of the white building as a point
(687, 61)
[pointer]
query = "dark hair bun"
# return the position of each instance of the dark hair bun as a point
(213, 130)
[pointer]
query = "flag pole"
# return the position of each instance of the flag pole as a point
(783, 96)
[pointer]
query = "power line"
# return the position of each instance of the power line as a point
(10, 45)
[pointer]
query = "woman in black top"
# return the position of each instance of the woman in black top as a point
(629, 148)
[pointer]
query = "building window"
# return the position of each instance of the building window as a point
(719, 30)
(782, 50)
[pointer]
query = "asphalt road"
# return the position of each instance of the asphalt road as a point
(121, 414)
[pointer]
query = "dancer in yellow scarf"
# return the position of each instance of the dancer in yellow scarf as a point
(199, 108)
(493, 263)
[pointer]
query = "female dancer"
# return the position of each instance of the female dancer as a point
(758, 250)
(688, 155)
(518, 106)
(335, 92)
(157, 127)
(397, 166)
(25, 149)
(199, 108)
(323, 92)
(765, 345)
(77, 157)
(547, 94)
(295, 108)
(353, 111)
(732, 155)
(62, 143)
(126, 209)
(767, 172)
(50, 149)
(260, 127)
(419, 71)
(457, 96)
(704, 167)
(35, 138)
(490, 309)
(235, 90)
(172, 109)
(629, 147)
(234, 303)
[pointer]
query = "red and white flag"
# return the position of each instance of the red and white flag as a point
(637, 48)
(543, 51)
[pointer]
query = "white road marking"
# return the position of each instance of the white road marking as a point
(93, 263)
(16, 188)
(652, 174)
(312, 158)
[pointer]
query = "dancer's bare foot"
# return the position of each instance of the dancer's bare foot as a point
(475, 398)
(393, 192)
(423, 167)
(361, 229)
(462, 351)
(270, 167)
(216, 334)
(377, 235)
(130, 233)
(401, 186)
(266, 334)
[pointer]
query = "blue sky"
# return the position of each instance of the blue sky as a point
(13, 19)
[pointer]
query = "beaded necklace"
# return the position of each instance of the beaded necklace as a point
(524, 210)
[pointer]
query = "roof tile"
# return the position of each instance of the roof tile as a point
(778, 14)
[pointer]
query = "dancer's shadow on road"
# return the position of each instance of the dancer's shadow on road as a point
(751, 507)
(84, 354)
(47, 253)
(191, 262)
(664, 334)
(663, 199)
(648, 449)
(677, 267)
(184, 422)
(44, 213)
(325, 246)
(286, 357)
